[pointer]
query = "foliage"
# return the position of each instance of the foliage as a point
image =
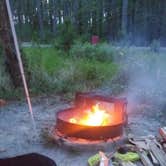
(66, 35)
(52, 72)
(141, 21)
(100, 52)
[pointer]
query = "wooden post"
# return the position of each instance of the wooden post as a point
(8, 46)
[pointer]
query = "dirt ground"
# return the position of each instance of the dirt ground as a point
(17, 135)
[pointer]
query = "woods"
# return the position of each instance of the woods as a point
(133, 21)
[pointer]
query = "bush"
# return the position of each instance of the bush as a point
(94, 71)
(100, 52)
(51, 72)
(66, 35)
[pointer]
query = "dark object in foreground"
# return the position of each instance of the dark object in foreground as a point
(31, 159)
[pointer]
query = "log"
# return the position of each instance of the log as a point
(154, 160)
(144, 158)
(142, 147)
(128, 164)
(158, 153)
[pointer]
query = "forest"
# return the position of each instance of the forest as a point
(133, 22)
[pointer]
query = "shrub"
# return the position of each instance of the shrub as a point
(100, 52)
(66, 35)
(51, 72)
(93, 73)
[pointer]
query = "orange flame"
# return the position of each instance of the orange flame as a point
(93, 117)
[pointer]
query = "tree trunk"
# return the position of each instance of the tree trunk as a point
(52, 7)
(100, 18)
(94, 17)
(40, 19)
(124, 17)
(80, 17)
(8, 46)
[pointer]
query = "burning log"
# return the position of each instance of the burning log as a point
(94, 117)
(77, 123)
(95, 123)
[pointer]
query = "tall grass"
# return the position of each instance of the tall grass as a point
(101, 52)
(54, 71)
(85, 67)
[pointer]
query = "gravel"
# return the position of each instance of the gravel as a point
(17, 134)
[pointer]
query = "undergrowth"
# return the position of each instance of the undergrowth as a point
(84, 67)
(55, 71)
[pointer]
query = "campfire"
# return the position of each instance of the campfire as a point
(93, 117)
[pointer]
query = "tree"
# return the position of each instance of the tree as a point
(8, 46)
(100, 18)
(40, 18)
(52, 12)
(143, 20)
(124, 17)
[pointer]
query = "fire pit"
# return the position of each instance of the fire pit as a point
(94, 117)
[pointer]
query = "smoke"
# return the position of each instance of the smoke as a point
(146, 73)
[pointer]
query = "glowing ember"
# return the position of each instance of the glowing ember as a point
(93, 117)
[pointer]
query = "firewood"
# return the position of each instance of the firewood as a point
(139, 144)
(158, 153)
(154, 160)
(128, 164)
(144, 158)
(141, 148)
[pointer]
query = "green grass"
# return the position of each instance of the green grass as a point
(54, 71)
(85, 67)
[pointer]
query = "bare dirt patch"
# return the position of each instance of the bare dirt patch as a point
(18, 137)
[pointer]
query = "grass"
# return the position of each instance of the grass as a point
(54, 71)
(85, 67)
